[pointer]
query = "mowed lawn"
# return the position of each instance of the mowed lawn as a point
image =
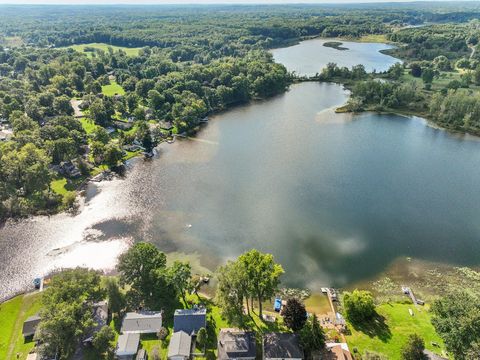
(112, 89)
(12, 315)
(104, 47)
(390, 331)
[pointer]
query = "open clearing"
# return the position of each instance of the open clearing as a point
(112, 89)
(104, 47)
(389, 331)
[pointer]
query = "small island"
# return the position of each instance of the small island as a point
(335, 44)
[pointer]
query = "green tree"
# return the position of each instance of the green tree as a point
(358, 305)
(103, 339)
(143, 268)
(202, 338)
(456, 318)
(427, 77)
(263, 274)
(27, 169)
(294, 314)
(312, 336)
(180, 274)
(112, 155)
(413, 349)
(67, 310)
(116, 299)
(232, 290)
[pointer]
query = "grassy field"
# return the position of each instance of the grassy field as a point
(390, 330)
(112, 89)
(88, 125)
(12, 315)
(104, 47)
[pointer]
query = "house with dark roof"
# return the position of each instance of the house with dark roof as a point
(180, 346)
(127, 346)
(278, 346)
(236, 344)
(147, 322)
(189, 320)
(30, 325)
(100, 316)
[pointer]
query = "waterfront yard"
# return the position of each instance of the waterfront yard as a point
(12, 315)
(390, 330)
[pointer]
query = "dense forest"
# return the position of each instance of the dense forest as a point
(145, 74)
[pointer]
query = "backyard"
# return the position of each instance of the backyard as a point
(389, 330)
(12, 315)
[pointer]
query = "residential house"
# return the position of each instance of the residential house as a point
(30, 325)
(280, 346)
(147, 322)
(337, 351)
(180, 346)
(127, 346)
(236, 344)
(69, 169)
(190, 320)
(100, 316)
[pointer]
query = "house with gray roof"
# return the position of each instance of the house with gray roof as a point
(278, 346)
(236, 344)
(147, 322)
(127, 346)
(30, 325)
(189, 320)
(180, 346)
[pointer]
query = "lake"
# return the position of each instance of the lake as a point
(335, 197)
(310, 57)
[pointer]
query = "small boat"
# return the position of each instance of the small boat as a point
(277, 306)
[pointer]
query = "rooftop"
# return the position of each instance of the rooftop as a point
(143, 322)
(236, 344)
(282, 346)
(189, 320)
(180, 345)
(30, 325)
(127, 344)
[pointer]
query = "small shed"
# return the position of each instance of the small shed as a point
(180, 346)
(30, 325)
(127, 346)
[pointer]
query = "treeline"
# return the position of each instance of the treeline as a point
(37, 86)
(223, 30)
(429, 42)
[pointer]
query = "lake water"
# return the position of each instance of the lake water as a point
(310, 57)
(334, 197)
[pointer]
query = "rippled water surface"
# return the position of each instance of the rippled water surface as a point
(310, 57)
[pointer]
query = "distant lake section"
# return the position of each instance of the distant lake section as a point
(311, 56)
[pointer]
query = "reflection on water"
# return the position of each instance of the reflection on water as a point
(310, 57)
(334, 197)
